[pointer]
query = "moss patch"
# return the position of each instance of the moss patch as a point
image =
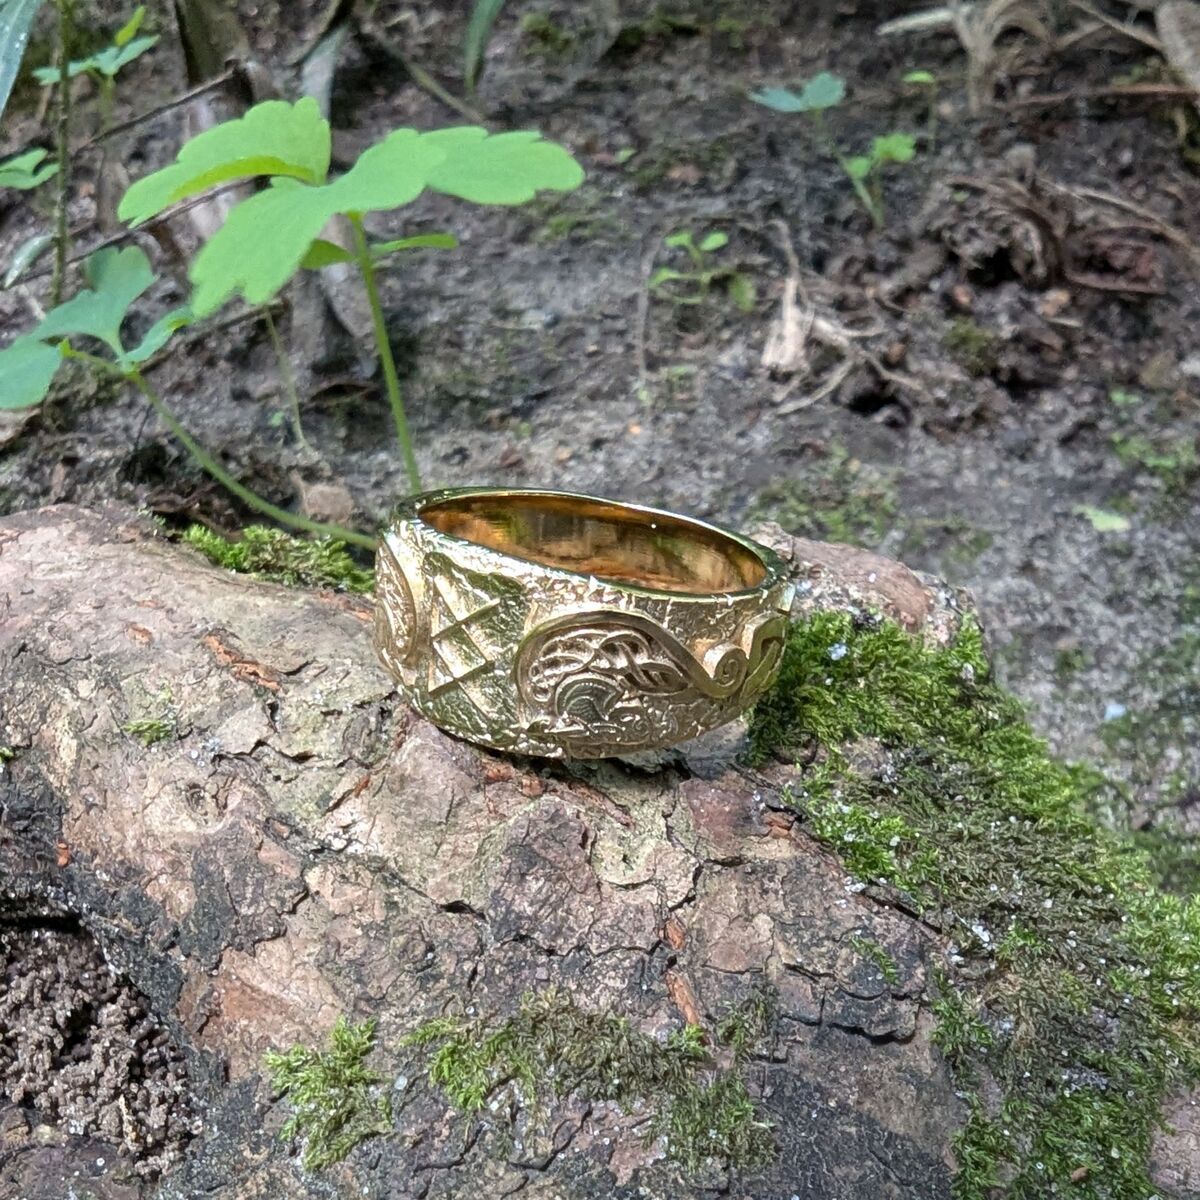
(838, 499)
(1071, 1008)
(552, 1048)
(333, 1095)
(272, 554)
(974, 348)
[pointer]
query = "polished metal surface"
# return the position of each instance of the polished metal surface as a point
(568, 626)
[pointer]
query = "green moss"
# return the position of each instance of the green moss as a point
(838, 499)
(1076, 988)
(157, 725)
(974, 348)
(149, 730)
(333, 1095)
(1069, 662)
(551, 1048)
(272, 554)
(546, 39)
(875, 953)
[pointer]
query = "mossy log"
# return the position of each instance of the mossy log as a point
(221, 832)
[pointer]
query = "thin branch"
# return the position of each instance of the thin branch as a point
(1130, 90)
(132, 123)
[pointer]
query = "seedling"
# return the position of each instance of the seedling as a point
(116, 279)
(927, 82)
(269, 237)
(695, 286)
(26, 171)
(827, 91)
(105, 64)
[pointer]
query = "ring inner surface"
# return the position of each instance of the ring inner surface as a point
(600, 538)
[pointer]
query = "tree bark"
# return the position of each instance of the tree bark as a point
(294, 844)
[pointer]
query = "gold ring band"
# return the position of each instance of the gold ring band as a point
(547, 623)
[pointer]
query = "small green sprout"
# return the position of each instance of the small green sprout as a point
(695, 286)
(27, 171)
(827, 91)
(865, 170)
(927, 81)
(105, 65)
(332, 1093)
(116, 278)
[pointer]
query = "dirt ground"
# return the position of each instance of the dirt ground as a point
(1020, 414)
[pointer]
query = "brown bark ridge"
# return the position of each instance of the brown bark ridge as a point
(296, 845)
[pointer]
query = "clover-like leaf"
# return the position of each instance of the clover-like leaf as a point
(895, 147)
(780, 99)
(822, 91)
(266, 238)
(24, 171)
(110, 61)
(260, 246)
(714, 241)
(117, 278)
(501, 168)
(27, 369)
(825, 90)
(390, 173)
(273, 138)
(859, 167)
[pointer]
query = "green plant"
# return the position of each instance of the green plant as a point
(272, 554)
(705, 275)
(479, 30)
(1073, 1008)
(332, 1093)
(16, 20)
(268, 237)
(927, 81)
(104, 65)
(116, 279)
(552, 1048)
(825, 91)
(26, 171)
(157, 726)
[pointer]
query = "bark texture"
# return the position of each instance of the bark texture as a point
(294, 844)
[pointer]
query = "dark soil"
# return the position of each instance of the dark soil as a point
(80, 1049)
(1037, 341)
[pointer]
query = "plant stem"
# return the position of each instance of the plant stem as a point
(383, 345)
(289, 379)
(860, 188)
(214, 468)
(63, 149)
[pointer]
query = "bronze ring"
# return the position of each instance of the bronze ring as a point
(567, 626)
